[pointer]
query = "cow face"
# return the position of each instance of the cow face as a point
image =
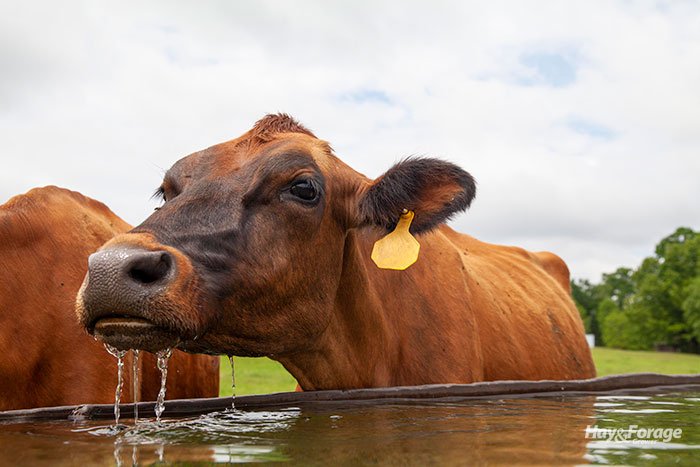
(246, 253)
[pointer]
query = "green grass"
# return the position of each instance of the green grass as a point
(262, 375)
(255, 376)
(615, 361)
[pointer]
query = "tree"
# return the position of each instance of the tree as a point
(587, 297)
(662, 284)
(691, 307)
(619, 286)
(628, 329)
(656, 304)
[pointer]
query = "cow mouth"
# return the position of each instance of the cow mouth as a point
(127, 333)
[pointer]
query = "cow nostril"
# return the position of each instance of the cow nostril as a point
(150, 267)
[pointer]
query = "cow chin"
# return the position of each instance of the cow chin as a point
(153, 328)
(214, 343)
(135, 333)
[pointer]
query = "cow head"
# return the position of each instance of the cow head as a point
(245, 255)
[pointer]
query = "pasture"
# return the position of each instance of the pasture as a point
(262, 375)
(610, 361)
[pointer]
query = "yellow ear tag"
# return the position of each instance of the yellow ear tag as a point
(399, 249)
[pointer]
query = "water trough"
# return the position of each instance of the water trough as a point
(404, 395)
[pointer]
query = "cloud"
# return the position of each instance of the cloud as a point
(578, 120)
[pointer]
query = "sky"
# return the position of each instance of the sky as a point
(580, 120)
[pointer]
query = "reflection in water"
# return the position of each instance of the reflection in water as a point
(528, 430)
(637, 418)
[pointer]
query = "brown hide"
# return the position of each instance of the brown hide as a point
(262, 247)
(46, 358)
(499, 315)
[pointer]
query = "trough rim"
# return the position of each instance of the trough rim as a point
(180, 408)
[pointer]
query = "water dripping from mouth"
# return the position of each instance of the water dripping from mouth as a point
(163, 357)
(119, 354)
(135, 378)
(233, 384)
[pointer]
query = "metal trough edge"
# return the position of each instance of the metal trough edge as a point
(399, 394)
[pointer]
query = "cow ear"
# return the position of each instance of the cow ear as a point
(434, 190)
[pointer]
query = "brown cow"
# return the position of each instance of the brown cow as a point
(46, 358)
(262, 247)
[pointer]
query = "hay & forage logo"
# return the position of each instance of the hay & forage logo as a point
(634, 434)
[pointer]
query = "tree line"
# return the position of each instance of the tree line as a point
(655, 306)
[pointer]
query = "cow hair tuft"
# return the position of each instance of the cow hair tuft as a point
(271, 124)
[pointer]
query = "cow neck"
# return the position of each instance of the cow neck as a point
(352, 352)
(388, 326)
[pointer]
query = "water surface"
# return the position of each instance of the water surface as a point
(535, 430)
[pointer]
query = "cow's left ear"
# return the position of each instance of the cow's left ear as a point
(434, 190)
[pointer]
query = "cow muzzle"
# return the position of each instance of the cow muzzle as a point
(127, 298)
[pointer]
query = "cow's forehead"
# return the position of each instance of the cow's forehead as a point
(232, 156)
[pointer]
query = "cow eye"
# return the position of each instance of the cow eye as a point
(304, 190)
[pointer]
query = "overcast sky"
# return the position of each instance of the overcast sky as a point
(579, 120)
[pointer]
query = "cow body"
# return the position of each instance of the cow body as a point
(501, 313)
(263, 248)
(47, 359)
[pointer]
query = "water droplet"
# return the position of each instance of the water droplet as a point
(135, 378)
(119, 354)
(163, 357)
(233, 384)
